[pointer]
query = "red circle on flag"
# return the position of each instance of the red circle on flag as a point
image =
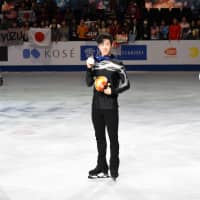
(39, 36)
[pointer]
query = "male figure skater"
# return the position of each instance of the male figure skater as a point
(111, 75)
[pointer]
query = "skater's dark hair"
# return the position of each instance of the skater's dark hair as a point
(100, 38)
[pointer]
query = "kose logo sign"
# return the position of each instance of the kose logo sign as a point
(28, 53)
(48, 53)
(57, 53)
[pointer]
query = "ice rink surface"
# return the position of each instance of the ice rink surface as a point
(47, 142)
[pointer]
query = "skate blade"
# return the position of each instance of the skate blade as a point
(100, 176)
(114, 179)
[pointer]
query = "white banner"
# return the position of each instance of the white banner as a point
(61, 53)
(138, 53)
(176, 52)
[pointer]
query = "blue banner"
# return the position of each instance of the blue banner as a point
(87, 51)
(133, 52)
(127, 52)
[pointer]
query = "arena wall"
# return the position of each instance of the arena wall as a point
(70, 56)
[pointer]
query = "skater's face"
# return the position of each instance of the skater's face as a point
(105, 47)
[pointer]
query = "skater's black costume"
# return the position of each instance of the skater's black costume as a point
(105, 110)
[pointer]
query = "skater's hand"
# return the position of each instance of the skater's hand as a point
(108, 91)
(89, 66)
(90, 62)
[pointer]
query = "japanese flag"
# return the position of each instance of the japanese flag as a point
(40, 36)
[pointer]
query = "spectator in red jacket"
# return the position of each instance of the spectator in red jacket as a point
(174, 30)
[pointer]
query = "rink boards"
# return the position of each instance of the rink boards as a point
(71, 56)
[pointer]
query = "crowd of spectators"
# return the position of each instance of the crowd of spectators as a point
(128, 17)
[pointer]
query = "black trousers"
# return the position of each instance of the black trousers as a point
(109, 119)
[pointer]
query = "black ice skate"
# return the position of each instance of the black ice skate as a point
(114, 175)
(98, 173)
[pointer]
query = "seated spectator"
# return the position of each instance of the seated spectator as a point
(11, 15)
(26, 28)
(113, 5)
(115, 17)
(174, 30)
(64, 31)
(164, 30)
(34, 25)
(165, 14)
(47, 24)
(185, 29)
(14, 25)
(198, 26)
(55, 31)
(92, 31)
(154, 31)
(102, 27)
(108, 23)
(42, 24)
(133, 10)
(133, 30)
(145, 31)
(3, 25)
(124, 28)
(73, 30)
(82, 30)
(100, 9)
(42, 14)
(53, 24)
(58, 15)
(27, 4)
(68, 16)
(194, 30)
(114, 28)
